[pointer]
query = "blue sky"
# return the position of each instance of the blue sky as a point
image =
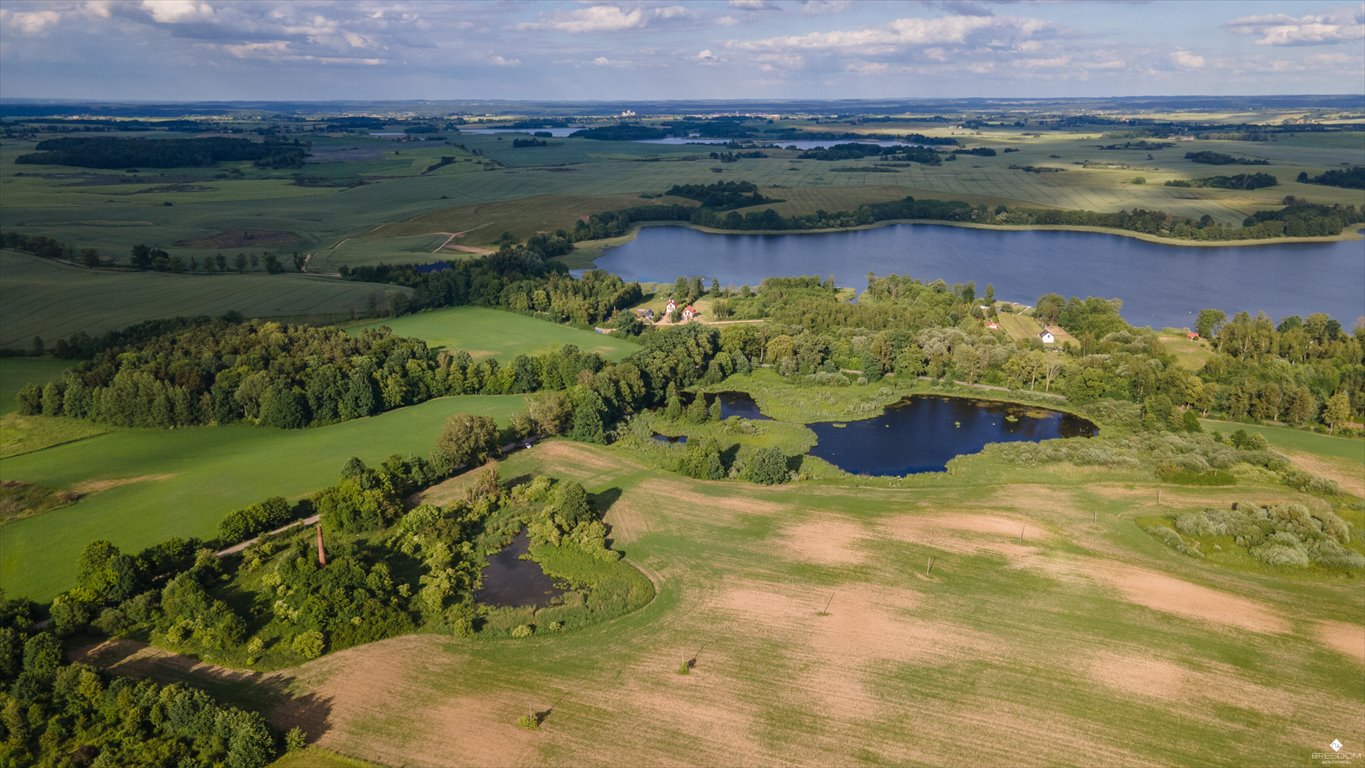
(674, 49)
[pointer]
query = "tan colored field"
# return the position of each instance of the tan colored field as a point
(822, 636)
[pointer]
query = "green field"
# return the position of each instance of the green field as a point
(1298, 439)
(497, 333)
(145, 486)
(819, 638)
(44, 298)
(15, 372)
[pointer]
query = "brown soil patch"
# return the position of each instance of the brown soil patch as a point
(372, 711)
(968, 534)
(626, 522)
(244, 238)
(577, 457)
(1033, 499)
(675, 493)
(827, 542)
(87, 487)
(1139, 676)
(1182, 598)
(1343, 637)
(1347, 474)
(868, 630)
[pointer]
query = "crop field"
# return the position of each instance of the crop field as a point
(497, 333)
(44, 298)
(142, 486)
(1018, 608)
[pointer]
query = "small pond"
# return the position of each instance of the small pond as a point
(737, 404)
(922, 433)
(508, 580)
(675, 439)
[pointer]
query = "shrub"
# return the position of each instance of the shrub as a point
(309, 644)
(529, 722)
(766, 466)
(295, 739)
(523, 630)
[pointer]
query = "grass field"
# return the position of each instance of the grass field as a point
(820, 637)
(496, 333)
(144, 486)
(15, 372)
(43, 298)
(1190, 354)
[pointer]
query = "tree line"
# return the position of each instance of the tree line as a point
(280, 375)
(112, 152)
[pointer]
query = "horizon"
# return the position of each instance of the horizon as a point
(188, 51)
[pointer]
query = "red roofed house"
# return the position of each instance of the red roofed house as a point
(689, 312)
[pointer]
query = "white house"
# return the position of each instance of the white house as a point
(670, 308)
(1047, 337)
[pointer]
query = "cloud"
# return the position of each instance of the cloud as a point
(502, 61)
(751, 5)
(608, 18)
(727, 21)
(282, 51)
(706, 57)
(1324, 29)
(899, 34)
(1188, 60)
(964, 8)
(178, 11)
(29, 22)
(824, 6)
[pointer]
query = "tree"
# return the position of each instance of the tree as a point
(467, 440)
(767, 466)
(673, 408)
(104, 574)
(587, 419)
(696, 410)
(1337, 412)
(1208, 322)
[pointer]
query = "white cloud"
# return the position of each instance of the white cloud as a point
(706, 57)
(503, 61)
(868, 67)
(750, 5)
(97, 8)
(1053, 62)
(727, 21)
(596, 18)
(281, 51)
(29, 22)
(178, 11)
(1323, 29)
(899, 34)
(1188, 60)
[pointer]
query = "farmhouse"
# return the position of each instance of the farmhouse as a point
(1047, 337)
(992, 325)
(670, 307)
(689, 312)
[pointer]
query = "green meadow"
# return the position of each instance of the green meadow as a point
(143, 486)
(51, 300)
(496, 333)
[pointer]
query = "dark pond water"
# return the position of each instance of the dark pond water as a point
(922, 433)
(509, 580)
(1160, 285)
(678, 439)
(736, 404)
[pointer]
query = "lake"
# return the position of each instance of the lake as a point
(1160, 285)
(922, 433)
(508, 580)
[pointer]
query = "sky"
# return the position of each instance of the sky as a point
(182, 50)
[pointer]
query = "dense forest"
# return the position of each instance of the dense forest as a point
(722, 195)
(1237, 181)
(859, 150)
(280, 375)
(108, 152)
(1218, 158)
(1350, 178)
(60, 713)
(621, 132)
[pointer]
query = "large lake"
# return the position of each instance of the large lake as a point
(1160, 285)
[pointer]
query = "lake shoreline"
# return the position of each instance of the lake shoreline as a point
(1356, 232)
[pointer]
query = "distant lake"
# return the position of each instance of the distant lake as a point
(557, 133)
(804, 144)
(1160, 285)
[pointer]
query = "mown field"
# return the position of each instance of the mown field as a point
(484, 332)
(142, 486)
(1050, 630)
(40, 297)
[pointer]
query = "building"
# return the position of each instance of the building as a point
(992, 325)
(1047, 337)
(670, 308)
(689, 312)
